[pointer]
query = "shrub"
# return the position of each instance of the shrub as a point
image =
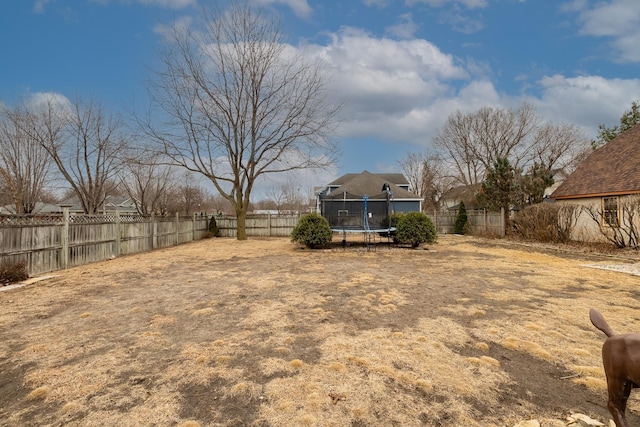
(460, 226)
(416, 228)
(546, 222)
(12, 271)
(213, 227)
(391, 220)
(313, 230)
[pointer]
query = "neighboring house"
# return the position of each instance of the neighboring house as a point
(604, 182)
(40, 209)
(559, 176)
(364, 201)
(122, 204)
(450, 200)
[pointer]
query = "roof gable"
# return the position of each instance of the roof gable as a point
(611, 169)
(371, 185)
(391, 178)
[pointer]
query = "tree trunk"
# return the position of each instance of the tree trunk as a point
(505, 220)
(241, 231)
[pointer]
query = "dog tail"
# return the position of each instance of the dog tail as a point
(599, 322)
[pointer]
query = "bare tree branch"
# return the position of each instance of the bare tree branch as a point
(238, 103)
(471, 143)
(24, 164)
(85, 144)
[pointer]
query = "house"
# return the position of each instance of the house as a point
(363, 201)
(604, 183)
(450, 200)
(559, 176)
(123, 204)
(40, 208)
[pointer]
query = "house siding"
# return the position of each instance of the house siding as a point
(586, 229)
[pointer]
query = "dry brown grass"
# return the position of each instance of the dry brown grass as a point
(222, 332)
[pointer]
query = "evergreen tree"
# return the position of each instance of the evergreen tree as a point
(461, 220)
(629, 119)
(501, 187)
(535, 182)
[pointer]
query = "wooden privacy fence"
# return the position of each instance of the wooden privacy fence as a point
(262, 225)
(54, 242)
(479, 222)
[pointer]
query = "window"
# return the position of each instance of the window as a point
(610, 211)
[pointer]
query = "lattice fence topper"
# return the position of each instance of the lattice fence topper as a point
(91, 219)
(13, 220)
(133, 218)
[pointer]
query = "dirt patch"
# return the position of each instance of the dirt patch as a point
(265, 333)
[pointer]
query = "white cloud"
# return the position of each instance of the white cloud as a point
(587, 101)
(181, 25)
(405, 28)
(402, 91)
(392, 89)
(471, 4)
(39, 6)
(38, 99)
(300, 7)
(618, 20)
(170, 4)
(574, 6)
(461, 23)
(381, 4)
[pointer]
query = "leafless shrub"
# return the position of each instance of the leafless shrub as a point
(12, 272)
(546, 222)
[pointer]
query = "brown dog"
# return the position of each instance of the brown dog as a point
(621, 360)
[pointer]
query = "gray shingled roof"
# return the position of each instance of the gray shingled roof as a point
(369, 184)
(613, 169)
(392, 178)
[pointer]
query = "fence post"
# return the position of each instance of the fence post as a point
(485, 226)
(154, 232)
(269, 223)
(65, 238)
(177, 228)
(118, 234)
(193, 227)
(435, 219)
(503, 224)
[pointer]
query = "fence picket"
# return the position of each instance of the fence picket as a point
(54, 243)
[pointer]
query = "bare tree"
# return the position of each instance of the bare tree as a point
(148, 182)
(234, 102)
(455, 144)
(558, 146)
(412, 165)
(473, 142)
(192, 198)
(287, 197)
(426, 177)
(276, 198)
(218, 204)
(85, 144)
(24, 163)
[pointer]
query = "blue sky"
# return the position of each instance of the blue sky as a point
(400, 66)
